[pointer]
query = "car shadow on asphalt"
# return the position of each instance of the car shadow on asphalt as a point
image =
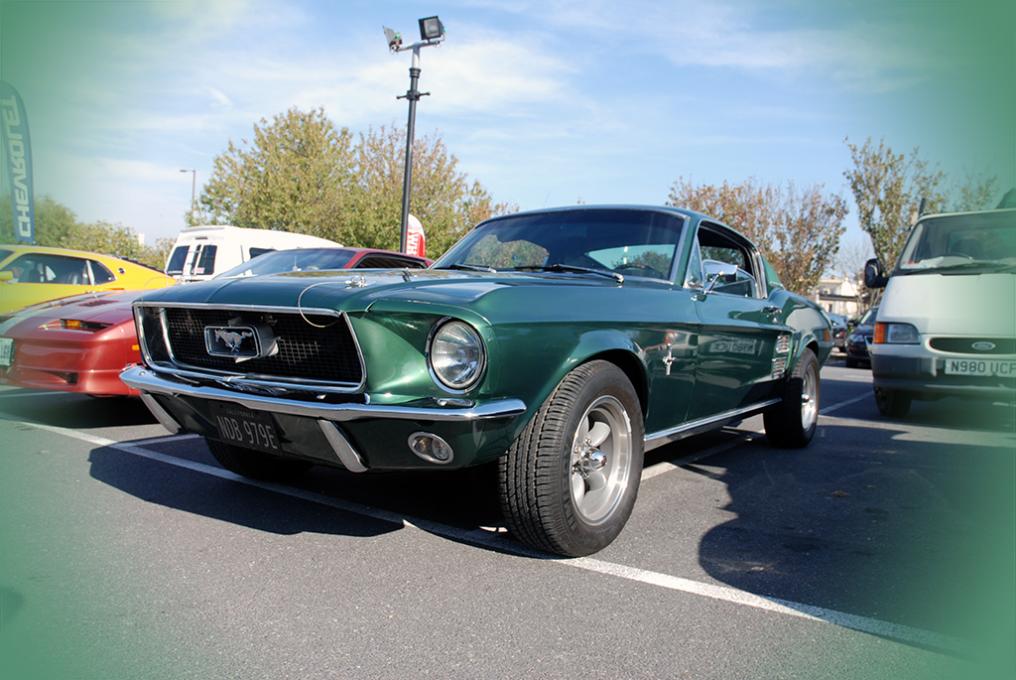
(77, 411)
(873, 521)
(456, 498)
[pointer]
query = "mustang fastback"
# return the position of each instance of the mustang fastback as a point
(557, 345)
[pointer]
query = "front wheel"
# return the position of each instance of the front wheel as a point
(569, 481)
(892, 403)
(792, 423)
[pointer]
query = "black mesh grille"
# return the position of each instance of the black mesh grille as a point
(305, 351)
(966, 345)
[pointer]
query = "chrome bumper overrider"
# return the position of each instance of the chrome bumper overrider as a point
(150, 382)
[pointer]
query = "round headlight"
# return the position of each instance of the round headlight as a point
(456, 355)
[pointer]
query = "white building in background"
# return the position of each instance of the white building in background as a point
(837, 295)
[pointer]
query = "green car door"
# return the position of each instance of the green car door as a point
(738, 325)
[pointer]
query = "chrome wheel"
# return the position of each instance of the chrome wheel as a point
(809, 399)
(601, 458)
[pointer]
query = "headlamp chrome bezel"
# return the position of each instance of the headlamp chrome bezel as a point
(435, 374)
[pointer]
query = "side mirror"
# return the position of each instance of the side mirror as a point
(716, 273)
(874, 275)
(6, 276)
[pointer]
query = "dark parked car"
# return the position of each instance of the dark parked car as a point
(839, 326)
(859, 339)
(555, 345)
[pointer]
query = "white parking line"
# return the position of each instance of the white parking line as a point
(842, 404)
(497, 541)
(12, 394)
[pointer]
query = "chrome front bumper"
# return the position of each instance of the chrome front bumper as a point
(149, 382)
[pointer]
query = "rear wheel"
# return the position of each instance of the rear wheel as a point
(892, 403)
(792, 423)
(255, 464)
(569, 481)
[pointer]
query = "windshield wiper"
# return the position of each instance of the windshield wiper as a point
(468, 267)
(558, 267)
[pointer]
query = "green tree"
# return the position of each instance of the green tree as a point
(888, 188)
(291, 176)
(798, 230)
(53, 221)
(300, 173)
(977, 193)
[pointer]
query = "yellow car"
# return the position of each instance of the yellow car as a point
(30, 275)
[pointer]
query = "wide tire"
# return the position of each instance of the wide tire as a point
(892, 403)
(569, 481)
(255, 464)
(792, 423)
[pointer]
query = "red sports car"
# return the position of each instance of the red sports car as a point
(82, 343)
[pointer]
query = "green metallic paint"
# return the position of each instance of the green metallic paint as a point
(537, 327)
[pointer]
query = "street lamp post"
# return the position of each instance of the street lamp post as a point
(431, 33)
(193, 192)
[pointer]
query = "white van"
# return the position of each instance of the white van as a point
(201, 252)
(946, 324)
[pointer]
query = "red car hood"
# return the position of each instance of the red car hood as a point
(112, 309)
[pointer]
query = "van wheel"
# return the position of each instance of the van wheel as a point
(792, 423)
(892, 403)
(569, 481)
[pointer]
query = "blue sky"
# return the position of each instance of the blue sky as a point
(545, 102)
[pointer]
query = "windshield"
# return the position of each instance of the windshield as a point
(628, 242)
(176, 260)
(971, 240)
(299, 260)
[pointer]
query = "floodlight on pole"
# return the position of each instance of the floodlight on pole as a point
(193, 192)
(431, 33)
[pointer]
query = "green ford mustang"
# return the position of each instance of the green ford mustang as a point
(557, 345)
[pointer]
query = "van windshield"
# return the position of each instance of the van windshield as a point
(176, 260)
(975, 242)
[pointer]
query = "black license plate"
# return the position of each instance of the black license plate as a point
(246, 428)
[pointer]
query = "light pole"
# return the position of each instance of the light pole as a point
(431, 33)
(193, 192)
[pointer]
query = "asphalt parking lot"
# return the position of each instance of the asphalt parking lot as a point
(740, 560)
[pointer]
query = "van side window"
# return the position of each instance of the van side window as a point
(205, 261)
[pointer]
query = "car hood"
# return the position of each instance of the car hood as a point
(958, 304)
(356, 291)
(107, 308)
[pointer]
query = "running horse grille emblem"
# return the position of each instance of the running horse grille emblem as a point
(239, 342)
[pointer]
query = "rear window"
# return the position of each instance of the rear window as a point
(205, 264)
(176, 260)
(388, 262)
(258, 252)
(299, 260)
(100, 274)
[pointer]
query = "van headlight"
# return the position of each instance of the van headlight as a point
(456, 355)
(896, 334)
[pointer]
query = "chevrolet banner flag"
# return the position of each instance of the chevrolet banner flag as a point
(17, 162)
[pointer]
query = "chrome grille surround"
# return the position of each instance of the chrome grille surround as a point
(157, 349)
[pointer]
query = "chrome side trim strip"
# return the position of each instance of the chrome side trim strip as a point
(149, 381)
(693, 427)
(345, 452)
(161, 414)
